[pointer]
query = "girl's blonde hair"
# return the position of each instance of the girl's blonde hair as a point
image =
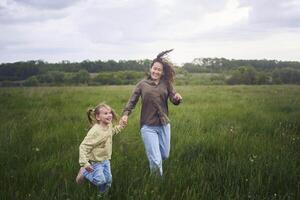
(92, 112)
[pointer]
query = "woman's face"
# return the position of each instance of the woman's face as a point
(156, 71)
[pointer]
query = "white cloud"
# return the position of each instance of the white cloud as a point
(230, 15)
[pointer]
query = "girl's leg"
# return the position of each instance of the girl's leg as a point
(97, 175)
(164, 137)
(80, 177)
(151, 143)
(107, 174)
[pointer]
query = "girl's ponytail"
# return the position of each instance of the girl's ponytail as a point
(91, 114)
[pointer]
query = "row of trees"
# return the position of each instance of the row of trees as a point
(129, 72)
(242, 75)
(84, 77)
(249, 75)
(217, 65)
(23, 70)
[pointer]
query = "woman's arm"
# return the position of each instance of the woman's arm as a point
(131, 103)
(174, 96)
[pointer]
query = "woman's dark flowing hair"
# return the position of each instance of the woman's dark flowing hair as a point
(169, 72)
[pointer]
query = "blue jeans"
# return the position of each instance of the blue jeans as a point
(157, 145)
(101, 176)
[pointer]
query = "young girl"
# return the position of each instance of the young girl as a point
(96, 148)
(154, 122)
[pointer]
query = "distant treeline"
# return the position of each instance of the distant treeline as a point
(217, 65)
(23, 70)
(224, 71)
(248, 71)
(53, 78)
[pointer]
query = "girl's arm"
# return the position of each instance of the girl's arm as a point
(118, 128)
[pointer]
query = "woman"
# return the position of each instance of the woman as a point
(154, 121)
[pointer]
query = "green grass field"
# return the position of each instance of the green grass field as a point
(228, 142)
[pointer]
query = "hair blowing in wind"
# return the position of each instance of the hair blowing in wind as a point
(169, 73)
(160, 55)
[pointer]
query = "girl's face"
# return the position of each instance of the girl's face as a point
(105, 116)
(156, 71)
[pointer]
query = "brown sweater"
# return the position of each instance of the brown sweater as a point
(154, 101)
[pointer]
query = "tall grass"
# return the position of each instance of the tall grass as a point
(228, 142)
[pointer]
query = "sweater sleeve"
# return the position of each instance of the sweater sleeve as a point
(133, 100)
(116, 129)
(92, 139)
(172, 93)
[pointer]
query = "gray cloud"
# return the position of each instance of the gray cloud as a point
(14, 12)
(266, 18)
(48, 4)
(132, 28)
(116, 24)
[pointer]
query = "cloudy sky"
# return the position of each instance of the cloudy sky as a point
(76, 30)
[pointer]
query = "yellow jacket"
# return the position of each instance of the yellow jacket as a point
(97, 144)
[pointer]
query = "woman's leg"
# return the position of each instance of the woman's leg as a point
(151, 143)
(164, 137)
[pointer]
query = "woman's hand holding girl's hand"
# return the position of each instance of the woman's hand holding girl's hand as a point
(122, 123)
(124, 118)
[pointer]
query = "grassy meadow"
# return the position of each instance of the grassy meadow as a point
(228, 142)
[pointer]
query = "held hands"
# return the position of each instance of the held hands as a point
(123, 121)
(124, 118)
